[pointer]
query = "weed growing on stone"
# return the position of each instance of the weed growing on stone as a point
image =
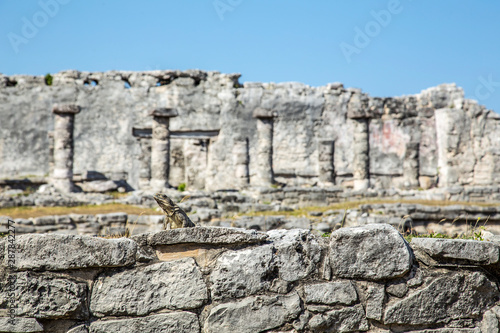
(181, 187)
(474, 232)
(48, 79)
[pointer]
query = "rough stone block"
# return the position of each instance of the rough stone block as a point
(58, 252)
(253, 314)
(463, 250)
(21, 325)
(178, 322)
(110, 218)
(343, 320)
(206, 235)
(331, 293)
(461, 295)
(297, 253)
(79, 329)
(243, 273)
(43, 296)
(44, 220)
(166, 285)
(371, 252)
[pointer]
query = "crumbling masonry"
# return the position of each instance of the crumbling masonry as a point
(163, 128)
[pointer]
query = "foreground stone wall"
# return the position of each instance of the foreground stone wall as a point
(233, 280)
(322, 136)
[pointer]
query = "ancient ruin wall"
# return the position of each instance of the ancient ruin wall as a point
(221, 280)
(320, 135)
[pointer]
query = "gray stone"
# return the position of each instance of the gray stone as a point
(397, 289)
(343, 320)
(58, 252)
(331, 293)
(459, 295)
(253, 314)
(489, 324)
(20, 325)
(371, 252)
(99, 186)
(79, 329)
(462, 250)
(297, 253)
(374, 297)
(450, 330)
(174, 322)
(44, 220)
(206, 235)
(243, 273)
(167, 285)
(45, 296)
(110, 218)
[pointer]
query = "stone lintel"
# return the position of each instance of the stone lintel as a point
(264, 113)
(164, 112)
(66, 108)
(206, 236)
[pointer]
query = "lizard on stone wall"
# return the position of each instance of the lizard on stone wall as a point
(173, 213)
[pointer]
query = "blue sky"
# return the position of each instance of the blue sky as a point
(386, 48)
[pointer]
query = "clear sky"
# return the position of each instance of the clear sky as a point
(386, 48)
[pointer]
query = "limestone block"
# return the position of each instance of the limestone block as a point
(489, 323)
(297, 253)
(343, 320)
(472, 293)
(99, 186)
(331, 293)
(45, 296)
(370, 252)
(79, 329)
(243, 273)
(166, 285)
(253, 314)
(108, 219)
(58, 252)
(461, 250)
(20, 325)
(206, 235)
(373, 295)
(178, 322)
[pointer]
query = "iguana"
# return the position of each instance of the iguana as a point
(174, 214)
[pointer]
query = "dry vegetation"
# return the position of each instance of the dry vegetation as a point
(27, 212)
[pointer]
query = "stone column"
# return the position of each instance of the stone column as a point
(145, 162)
(411, 163)
(325, 162)
(448, 129)
(264, 175)
(50, 136)
(160, 147)
(62, 177)
(361, 150)
(240, 162)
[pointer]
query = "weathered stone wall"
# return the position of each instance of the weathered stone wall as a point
(233, 280)
(433, 138)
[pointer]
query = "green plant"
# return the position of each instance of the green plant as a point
(48, 79)
(181, 187)
(326, 234)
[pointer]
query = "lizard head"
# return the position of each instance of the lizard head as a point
(164, 202)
